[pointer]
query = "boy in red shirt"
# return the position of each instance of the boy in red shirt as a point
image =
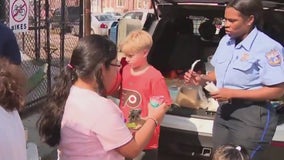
(140, 81)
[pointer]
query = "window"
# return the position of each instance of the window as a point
(120, 3)
(128, 15)
(133, 15)
(138, 15)
(139, 4)
(142, 4)
(105, 18)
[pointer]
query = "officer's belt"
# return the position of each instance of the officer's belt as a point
(246, 102)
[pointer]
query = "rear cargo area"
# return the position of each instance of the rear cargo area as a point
(180, 38)
(183, 35)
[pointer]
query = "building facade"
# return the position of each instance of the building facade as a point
(119, 5)
(106, 5)
(53, 4)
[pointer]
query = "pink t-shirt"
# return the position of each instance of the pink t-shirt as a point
(136, 93)
(91, 128)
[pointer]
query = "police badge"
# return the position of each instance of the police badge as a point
(273, 57)
(245, 57)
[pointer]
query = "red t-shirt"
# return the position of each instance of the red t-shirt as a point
(136, 93)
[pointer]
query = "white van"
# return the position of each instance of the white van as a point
(186, 131)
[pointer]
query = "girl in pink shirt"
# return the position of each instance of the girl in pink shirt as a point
(80, 120)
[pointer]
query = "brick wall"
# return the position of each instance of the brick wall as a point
(57, 3)
(111, 5)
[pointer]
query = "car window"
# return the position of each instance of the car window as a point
(197, 20)
(73, 10)
(128, 15)
(105, 18)
(117, 14)
(109, 18)
(57, 12)
(73, 13)
(138, 15)
(133, 15)
(113, 13)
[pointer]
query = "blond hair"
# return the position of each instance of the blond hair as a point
(136, 41)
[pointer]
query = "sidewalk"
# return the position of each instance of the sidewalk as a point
(31, 116)
(44, 151)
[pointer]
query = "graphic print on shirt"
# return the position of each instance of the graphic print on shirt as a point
(130, 98)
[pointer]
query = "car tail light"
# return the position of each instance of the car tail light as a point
(103, 25)
(277, 144)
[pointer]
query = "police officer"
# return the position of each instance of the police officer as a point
(248, 71)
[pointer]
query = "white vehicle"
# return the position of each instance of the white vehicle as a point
(132, 20)
(186, 132)
(101, 23)
(117, 15)
(140, 14)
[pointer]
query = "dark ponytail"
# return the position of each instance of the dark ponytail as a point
(87, 58)
(49, 123)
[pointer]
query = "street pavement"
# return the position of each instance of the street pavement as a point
(44, 151)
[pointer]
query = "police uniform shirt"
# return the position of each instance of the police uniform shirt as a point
(255, 62)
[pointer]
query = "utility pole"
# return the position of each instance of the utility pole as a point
(81, 22)
(87, 17)
(101, 6)
(2, 11)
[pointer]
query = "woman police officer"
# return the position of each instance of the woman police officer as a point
(248, 71)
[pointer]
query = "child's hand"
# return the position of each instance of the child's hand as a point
(155, 101)
(158, 112)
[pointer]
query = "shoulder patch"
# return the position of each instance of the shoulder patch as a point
(273, 57)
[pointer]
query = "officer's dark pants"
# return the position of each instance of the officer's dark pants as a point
(251, 125)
